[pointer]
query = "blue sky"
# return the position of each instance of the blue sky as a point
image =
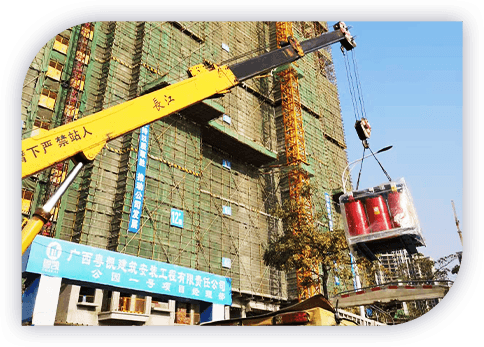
(411, 83)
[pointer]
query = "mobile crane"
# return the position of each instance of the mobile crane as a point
(83, 139)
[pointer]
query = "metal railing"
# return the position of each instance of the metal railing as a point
(446, 283)
(358, 319)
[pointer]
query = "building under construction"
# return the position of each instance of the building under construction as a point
(220, 164)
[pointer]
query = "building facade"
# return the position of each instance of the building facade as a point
(212, 172)
(400, 266)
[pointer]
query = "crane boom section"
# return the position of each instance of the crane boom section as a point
(88, 135)
(287, 54)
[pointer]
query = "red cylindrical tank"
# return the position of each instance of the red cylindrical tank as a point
(356, 218)
(377, 214)
(398, 205)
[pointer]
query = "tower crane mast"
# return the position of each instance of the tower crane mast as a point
(296, 153)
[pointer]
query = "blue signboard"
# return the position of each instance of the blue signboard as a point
(226, 262)
(176, 218)
(336, 278)
(139, 185)
(78, 262)
(227, 210)
(353, 271)
(227, 119)
(328, 210)
(226, 164)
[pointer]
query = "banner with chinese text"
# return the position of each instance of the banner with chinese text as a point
(139, 184)
(74, 261)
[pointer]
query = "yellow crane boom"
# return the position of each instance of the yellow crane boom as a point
(88, 135)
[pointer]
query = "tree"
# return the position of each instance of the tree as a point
(442, 269)
(423, 268)
(329, 249)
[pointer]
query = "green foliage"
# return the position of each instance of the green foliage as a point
(455, 270)
(423, 268)
(329, 249)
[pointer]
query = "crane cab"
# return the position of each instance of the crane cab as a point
(381, 219)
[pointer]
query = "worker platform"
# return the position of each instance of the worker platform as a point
(395, 291)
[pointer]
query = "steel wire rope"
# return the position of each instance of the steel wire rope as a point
(384, 171)
(363, 111)
(354, 102)
(350, 85)
(361, 167)
(358, 85)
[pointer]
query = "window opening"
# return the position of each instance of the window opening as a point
(87, 294)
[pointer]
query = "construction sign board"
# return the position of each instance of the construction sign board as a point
(59, 258)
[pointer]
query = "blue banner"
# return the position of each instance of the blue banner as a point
(139, 184)
(74, 261)
(353, 271)
(336, 278)
(328, 210)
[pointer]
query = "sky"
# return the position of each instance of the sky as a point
(410, 76)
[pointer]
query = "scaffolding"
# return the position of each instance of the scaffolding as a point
(205, 160)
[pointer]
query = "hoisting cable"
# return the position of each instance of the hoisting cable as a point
(358, 86)
(361, 167)
(362, 126)
(384, 171)
(349, 76)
